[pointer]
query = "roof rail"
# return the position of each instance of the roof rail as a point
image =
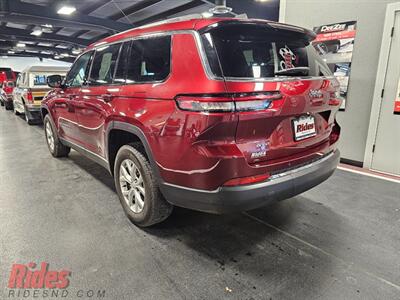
(204, 15)
(173, 20)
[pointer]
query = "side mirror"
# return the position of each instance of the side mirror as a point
(54, 81)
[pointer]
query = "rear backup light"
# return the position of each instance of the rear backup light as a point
(252, 105)
(229, 102)
(247, 180)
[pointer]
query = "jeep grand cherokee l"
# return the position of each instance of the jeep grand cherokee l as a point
(217, 115)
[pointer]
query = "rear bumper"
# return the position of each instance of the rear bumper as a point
(242, 198)
(33, 113)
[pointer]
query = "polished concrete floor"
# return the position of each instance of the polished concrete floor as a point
(340, 240)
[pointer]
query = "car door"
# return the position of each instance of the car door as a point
(17, 93)
(94, 105)
(66, 101)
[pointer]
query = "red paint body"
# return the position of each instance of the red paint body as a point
(192, 149)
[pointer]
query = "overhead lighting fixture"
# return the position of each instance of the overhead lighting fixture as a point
(220, 8)
(10, 52)
(21, 45)
(47, 25)
(76, 51)
(66, 10)
(64, 55)
(207, 14)
(37, 32)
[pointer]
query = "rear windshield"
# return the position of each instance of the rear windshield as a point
(258, 51)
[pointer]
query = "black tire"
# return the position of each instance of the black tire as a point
(29, 121)
(9, 105)
(155, 209)
(2, 103)
(59, 150)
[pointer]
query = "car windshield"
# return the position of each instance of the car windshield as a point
(257, 51)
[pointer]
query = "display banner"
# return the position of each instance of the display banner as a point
(334, 42)
(397, 101)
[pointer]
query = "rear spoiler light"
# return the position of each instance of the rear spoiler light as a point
(230, 102)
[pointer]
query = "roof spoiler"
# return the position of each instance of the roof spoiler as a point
(309, 34)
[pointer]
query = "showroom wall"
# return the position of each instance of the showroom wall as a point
(20, 63)
(370, 15)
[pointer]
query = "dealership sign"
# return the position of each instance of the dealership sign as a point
(397, 101)
(334, 42)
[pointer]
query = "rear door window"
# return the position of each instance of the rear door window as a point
(150, 60)
(104, 64)
(257, 51)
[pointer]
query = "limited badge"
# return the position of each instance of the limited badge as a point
(261, 151)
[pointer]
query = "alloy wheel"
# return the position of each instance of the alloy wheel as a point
(50, 136)
(132, 185)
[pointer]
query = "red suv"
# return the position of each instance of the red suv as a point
(217, 115)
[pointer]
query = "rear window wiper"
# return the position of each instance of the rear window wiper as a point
(301, 71)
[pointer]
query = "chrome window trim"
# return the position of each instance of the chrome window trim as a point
(204, 60)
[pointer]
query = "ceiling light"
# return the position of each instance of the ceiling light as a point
(66, 10)
(10, 52)
(207, 14)
(36, 32)
(47, 25)
(64, 55)
(21, 45)
(56, 57)
(76, 51)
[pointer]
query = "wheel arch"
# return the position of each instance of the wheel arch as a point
(137, 136)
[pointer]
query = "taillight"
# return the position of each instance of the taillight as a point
(230, 102)
(335, 99)
(29, 96)
(247, 180)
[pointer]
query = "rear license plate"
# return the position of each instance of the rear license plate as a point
(304, 127)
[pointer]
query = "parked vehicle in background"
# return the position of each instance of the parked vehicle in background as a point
(30, 89)
(217, 115)
(3, 97)
(7, 74)
(8, 88)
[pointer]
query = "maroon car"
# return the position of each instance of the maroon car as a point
(217, 115)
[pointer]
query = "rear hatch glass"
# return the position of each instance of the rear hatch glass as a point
(255, 51)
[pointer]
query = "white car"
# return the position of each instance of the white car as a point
(30, 89)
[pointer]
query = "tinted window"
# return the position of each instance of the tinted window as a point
(255, 51)
(103, 66)
(78, 72)
(149, 60)
(39, 80)
(120, 73)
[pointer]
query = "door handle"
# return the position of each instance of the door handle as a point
(107, 97)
